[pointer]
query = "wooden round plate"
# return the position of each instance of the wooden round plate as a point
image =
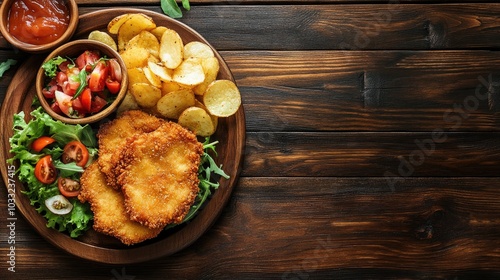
(98, 247)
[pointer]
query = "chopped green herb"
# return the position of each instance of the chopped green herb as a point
(50, 66)
(4, 66)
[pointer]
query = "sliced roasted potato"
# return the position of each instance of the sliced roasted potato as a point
(146, 40)
(135, 57)
(197, 120)
(158, 31)
(189, 73)
(215, 119)
(161, 71)
(115, 24)
(133, 26)
(136, 75)
(173, 103)
(103, 37)
(211, 69)
(196, 49)
(222, 98)
(145, 94)
(167, 87)
(171, 49)
(128, 103)
(153, 79)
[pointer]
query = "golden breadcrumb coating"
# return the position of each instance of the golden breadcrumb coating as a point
(158, 174)
(110, 216)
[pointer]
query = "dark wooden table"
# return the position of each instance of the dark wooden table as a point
(373, 146)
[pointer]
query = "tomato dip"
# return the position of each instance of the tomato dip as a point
(38, 22)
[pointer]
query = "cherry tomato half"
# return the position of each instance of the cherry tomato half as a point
(41, 143)
(45, 170)
(68, 187)
(76, 152)
(97, 79)
(113, 86)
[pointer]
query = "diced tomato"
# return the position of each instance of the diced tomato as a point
(97, 79)
(97, 104)
(86, 99)
(55, 107)
(42, 142)
(64, 102)
(45, 171)
(61, 78)
(49, 91)
(76, 152)
(64, 66)
(68, 187)
(115, 70)
(87, 59)
(113, 86)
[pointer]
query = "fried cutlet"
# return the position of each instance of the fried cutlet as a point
(158, 174)
(113, 135)
(110, 216)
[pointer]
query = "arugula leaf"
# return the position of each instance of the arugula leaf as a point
(4, 66)
(51, 66)
(205, 170)
(171, 8)
(82, 79)
(78, 220)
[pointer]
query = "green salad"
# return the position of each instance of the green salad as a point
(52, 156)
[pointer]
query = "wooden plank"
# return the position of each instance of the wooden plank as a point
(321, 227)
(394, 156)
(369, 90)
(344, 27)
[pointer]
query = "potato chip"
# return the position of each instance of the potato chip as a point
(197, 120)
(136, 75)
(115, 24)
(146, 40)
(153, 79)
(135, 57)
(173, 103)
(133, 26)
(171, 49)
(189, 73)
(211, 69)
(103, 37)
(215, 119)
(222, 98)
(196, 49)
(161, 71)
(158, 31)
(145, 94)
(167, 87)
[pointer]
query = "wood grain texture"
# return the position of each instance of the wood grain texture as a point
(344, 27)
(341, 227)
(370, 90)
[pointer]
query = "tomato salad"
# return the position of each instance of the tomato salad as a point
(83, 86)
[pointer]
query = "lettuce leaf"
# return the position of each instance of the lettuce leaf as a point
(78, 220)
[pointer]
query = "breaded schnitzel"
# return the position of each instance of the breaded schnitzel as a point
(113, 135)
(110, 216)
(158, 174)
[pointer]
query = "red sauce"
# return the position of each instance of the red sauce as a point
(38, 22)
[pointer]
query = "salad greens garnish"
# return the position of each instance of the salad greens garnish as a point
(4, 66)
(205, 170)
(78, 220)
(172, 9)
(52, 65)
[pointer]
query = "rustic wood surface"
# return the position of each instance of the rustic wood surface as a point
(372, 146)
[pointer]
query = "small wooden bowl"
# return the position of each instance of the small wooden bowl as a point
(30, 48)
(72, 50)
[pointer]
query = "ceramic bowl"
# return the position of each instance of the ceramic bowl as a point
(31, 48)
(72, 50)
